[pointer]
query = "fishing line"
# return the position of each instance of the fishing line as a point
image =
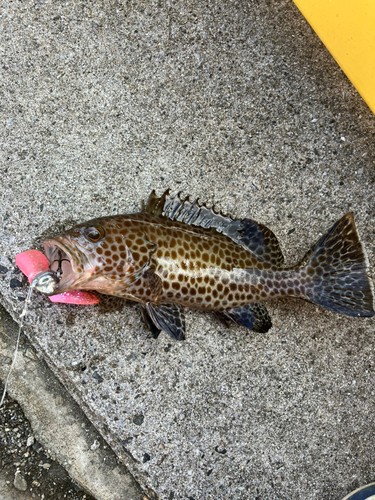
(23, 314)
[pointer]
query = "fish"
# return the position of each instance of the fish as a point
(176, 254)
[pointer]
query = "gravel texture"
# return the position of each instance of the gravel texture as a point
(240, 104)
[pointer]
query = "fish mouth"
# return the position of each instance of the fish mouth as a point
(62, 260)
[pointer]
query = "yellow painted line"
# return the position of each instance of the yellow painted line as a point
(347, 29)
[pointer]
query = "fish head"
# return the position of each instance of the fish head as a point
(90, 256)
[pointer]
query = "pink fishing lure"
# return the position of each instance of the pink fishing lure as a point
(33, 262)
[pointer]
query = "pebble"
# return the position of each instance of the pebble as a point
(95, 445)
(59, 401)
(30, 441)
(15, 283)
(19, 482)
(31, 354)
(138, 419)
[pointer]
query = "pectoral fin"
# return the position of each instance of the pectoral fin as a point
(154, 282)
(252, 316)
(155, 331)
(168, 317)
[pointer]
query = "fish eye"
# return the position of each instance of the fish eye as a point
(94, 233)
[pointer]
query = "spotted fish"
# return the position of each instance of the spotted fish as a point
(176, 253)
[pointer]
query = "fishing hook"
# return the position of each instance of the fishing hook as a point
(59, 270)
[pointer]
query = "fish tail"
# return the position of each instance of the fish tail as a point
(334, 272)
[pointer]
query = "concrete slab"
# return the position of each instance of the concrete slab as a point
(240, 104)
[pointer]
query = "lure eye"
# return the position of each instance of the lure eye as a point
(94, 233)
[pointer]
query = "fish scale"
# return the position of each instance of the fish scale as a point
(177, 254)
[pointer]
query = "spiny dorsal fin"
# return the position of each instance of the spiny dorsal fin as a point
(251, 235)
(155, 205)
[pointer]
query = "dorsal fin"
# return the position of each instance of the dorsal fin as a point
(155, 205)
(252, 236)
(261, 241)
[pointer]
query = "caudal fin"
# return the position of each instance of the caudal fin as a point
(335, 272)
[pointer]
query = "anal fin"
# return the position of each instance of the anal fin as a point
(168, 317)
(252, 316)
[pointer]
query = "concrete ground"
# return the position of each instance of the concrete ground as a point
(240, 104)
